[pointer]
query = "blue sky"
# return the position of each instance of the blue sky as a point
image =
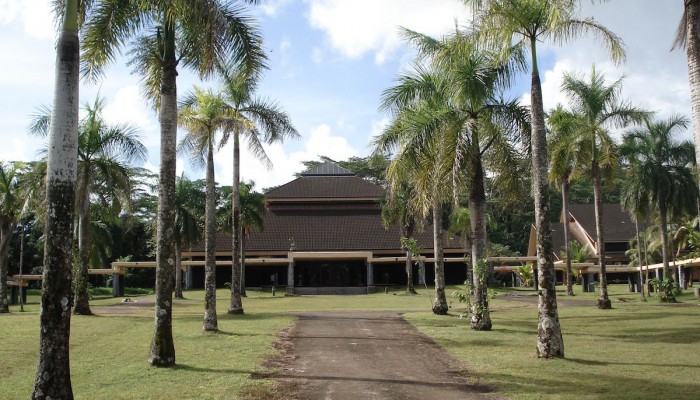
(330, 60)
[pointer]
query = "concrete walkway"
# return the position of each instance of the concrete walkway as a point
(368, 355)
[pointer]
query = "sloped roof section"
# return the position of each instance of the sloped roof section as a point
(617, 224)
(326, 187)
(329, 230)
(328, 169)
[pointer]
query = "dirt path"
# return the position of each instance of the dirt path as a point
(368, 355)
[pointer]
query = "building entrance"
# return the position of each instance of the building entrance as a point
(330, 273)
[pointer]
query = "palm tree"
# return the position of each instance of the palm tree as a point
(660, 173)
(53, 371)
(190, 204)
(599, 107)
(688, 37)
(397, 210)
(252, 218)
(260, 121)
(10, 210)
(204, 114)
(104, 154)
(464, 92)
(504, 23)
(562, 163)
(199, 34)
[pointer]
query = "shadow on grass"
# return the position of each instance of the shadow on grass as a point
(192, 368)
(649, 364)
(607, 385)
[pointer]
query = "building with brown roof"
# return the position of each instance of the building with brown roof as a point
(323, 233)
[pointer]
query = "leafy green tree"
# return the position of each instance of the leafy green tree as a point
(11, 204)
(53, 371)
(105, 153)
(660, 173)
(260, 121)
(199, 34)
(524, 23)
(599, 106)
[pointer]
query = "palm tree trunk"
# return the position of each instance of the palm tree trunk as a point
(481, 317)
(236, 306)
(550, 343)
(162, 352)
(639, 257)
(663, 214)
(410, 289)
(178, 271)
(211, 322)
(567, 241)
(646, 261)
(53, 371)
(440, 303)
(692, 12)
(243, 239)
(603, 299)
(6, 228)
(80, 277)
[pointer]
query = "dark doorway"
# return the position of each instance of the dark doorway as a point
(330, 273)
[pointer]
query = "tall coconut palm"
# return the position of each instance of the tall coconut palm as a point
(201, 35)
(11, 204)
(561, 168)
(599, 106)
(688, 38)
(190, 204)
(104, 155)
(397, 211)
(252, 219)
(53, 371)
(660, 173)
(464, 92)
(259, 121)
(504, 23)
(204, 115)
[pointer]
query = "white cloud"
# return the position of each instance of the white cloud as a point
(34, 15)
(319, 141)
(357, 27)
(654, 78)
(272, 7)
(129, 107)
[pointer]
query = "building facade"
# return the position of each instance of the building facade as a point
(323, 233)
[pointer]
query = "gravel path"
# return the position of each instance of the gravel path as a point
(367, 355)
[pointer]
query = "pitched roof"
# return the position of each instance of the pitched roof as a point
(326, 230)
(317, 186)
(617, 224)
(328, 168)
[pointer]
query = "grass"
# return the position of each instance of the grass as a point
(637, 350)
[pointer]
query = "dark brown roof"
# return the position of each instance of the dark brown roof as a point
(326, 187)
(617, 224)
(558, 239)
(326, 230)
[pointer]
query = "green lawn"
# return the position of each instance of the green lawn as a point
(636, 350)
